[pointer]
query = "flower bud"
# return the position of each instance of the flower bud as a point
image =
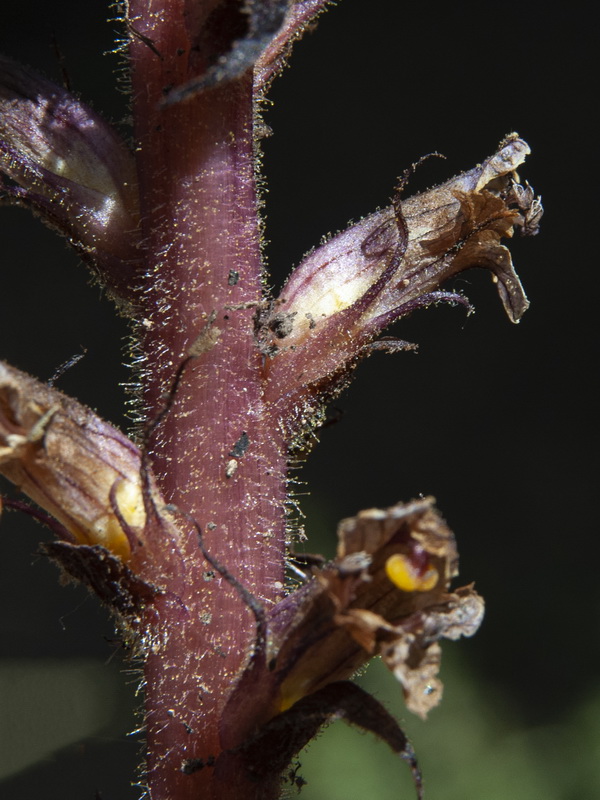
(70, 166)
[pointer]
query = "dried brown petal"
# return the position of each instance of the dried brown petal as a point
(410, 649)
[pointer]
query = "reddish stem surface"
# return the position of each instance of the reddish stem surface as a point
(217, 454)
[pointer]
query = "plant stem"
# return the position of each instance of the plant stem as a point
(217, 453)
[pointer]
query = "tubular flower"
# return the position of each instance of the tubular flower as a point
(347, 291)
(70, 462)
(386, 593)
(365, 604)
(69, 165)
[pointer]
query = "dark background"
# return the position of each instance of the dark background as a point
(497, 421)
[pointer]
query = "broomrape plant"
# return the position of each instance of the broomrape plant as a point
(182, 529)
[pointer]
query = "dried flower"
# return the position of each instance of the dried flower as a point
(387, 593)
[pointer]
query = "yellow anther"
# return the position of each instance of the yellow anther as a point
(106, 529)
(403, 574)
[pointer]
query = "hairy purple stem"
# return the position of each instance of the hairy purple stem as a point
(218, 455)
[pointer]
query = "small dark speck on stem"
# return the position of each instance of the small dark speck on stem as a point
(240, 447)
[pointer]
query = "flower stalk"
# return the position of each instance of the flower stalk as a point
(183, 531)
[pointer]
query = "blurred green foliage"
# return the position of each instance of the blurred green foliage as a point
(475, 746)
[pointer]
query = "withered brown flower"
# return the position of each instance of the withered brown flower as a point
(386, 593)
(356, 607)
